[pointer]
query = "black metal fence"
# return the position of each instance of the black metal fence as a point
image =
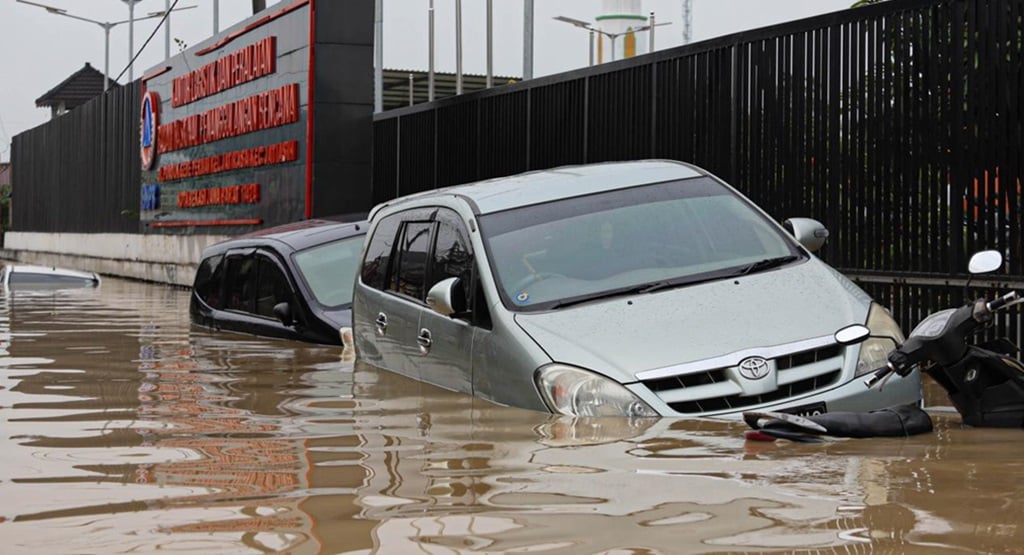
(898, 125)
(80, 172)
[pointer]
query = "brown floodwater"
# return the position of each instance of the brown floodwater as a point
(127, 431)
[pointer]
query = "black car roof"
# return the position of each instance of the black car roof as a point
(293, 236)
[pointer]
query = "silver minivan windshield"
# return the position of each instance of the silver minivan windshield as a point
(634, 240)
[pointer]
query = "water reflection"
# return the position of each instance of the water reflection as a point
(125, 430)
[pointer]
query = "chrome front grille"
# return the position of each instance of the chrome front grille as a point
(716, 389)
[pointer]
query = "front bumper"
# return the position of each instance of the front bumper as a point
(852, 396)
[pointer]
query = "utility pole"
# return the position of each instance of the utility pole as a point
(527, 39)
(378, 57)
(430, 51)
(687, 21)
(458, 46)
(490, 43)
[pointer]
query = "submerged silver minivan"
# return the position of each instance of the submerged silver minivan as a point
(646, 288)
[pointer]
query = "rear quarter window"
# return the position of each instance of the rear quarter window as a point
(207, 284)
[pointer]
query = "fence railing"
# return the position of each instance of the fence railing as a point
(80, 172)
(898, 125)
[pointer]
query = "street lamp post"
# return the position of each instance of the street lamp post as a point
(167, 24)
(430, 51)
(167, 30)
(106, 26)
(131, 37)
(611, 36)
(592, 37)
(528, 39)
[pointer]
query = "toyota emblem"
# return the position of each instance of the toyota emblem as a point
(753, 368)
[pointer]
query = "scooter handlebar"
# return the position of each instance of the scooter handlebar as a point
(879, 375)
(1001, 302)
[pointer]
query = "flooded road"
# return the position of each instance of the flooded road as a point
(126, 431)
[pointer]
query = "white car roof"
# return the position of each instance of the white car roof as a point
(50, 270)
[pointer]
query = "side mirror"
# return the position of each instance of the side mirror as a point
(809, 233)
(447, 297)
(283, 311)
(853, 334)
(984, 262)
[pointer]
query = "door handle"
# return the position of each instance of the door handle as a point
(424, 340)
(382, 323)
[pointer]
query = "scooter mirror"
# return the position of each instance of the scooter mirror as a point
(853, 334)
(984, 262)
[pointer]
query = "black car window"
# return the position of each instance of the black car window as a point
(378, 252)
(208, 280)
(413, 249)
(272, 288)
(452, 257)
(240, 286)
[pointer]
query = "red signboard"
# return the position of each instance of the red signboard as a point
(227, 140)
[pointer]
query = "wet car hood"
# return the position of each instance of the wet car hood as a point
(622, 336)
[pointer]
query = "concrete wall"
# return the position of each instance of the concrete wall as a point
(170, 259)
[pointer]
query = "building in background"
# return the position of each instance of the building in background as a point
(80, 87)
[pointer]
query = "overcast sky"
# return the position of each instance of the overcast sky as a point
(38, 50)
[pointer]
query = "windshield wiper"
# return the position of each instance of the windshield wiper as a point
(652, 287)
(645, 288)
(766, 264)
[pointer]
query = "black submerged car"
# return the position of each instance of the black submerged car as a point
(292, 281)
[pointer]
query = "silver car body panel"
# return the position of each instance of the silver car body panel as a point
(690, 324)
(784, 315)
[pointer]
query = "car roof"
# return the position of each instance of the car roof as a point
(50, 270)
(294, 236)
(536, 187)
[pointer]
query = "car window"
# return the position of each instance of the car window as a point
(409, 277)
(208, 280)
(378, 252)
(240, 286)
(452, 257)
(679, 232)
(272, 287)
(330, 270)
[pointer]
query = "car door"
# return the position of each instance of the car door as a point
(390, 291)
(446, 342)
(255, 281)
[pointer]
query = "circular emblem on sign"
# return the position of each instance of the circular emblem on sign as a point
(148, 121)
(753, 368)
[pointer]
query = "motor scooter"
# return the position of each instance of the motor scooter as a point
(984, 381)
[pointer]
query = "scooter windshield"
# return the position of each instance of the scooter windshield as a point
(933, 325)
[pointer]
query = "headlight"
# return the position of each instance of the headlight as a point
(577, 392)
(875, 351)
